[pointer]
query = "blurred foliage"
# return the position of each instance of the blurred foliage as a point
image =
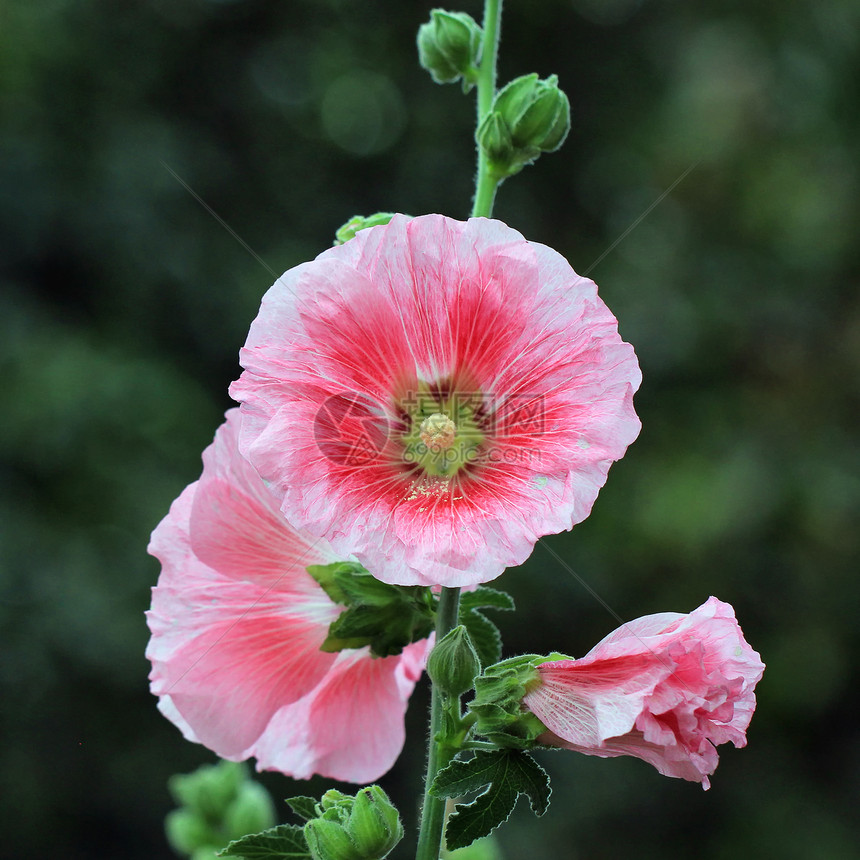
(124, 302)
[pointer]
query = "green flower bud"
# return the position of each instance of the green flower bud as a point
(453, 663)
(210, 789)
(537, 112)
(334, 805)
(251, 812)
(449, 46)
(360, 222)
(364, 827)
(327, 840)
(186, 831)
(494, 137)
(374, 824)
(498, 702)
(536, 115)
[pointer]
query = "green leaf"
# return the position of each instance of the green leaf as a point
(304, 807)
(485, 636)
(486, 597)
(284, 842)
(479, 818)
(385, 617)
(483, 632)
(506, 773)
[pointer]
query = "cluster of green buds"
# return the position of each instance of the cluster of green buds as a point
(529, 116)
(364, 827)
(217, 804)
(449, 47)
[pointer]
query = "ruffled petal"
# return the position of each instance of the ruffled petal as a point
(470, 310)
(313, 736)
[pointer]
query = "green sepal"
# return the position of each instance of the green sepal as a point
(284, 842)
(327, 840)
(493, 135)
(503, 775)
(497, 705)
(374, 823)
(360, 222)
(385, 617)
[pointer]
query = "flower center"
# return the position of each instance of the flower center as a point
(438, 431)
(443, 432)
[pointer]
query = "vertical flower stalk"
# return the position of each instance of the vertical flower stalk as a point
(433, 810)
(439, 754)
(485, 190)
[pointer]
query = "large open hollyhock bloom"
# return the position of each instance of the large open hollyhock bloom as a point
(433, 396)
(237, 624)
(666, 688)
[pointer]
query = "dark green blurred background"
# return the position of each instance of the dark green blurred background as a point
(124, 303)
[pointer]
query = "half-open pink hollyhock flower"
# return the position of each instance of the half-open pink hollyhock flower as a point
(433, 396)
(237, 623)
(665, 688)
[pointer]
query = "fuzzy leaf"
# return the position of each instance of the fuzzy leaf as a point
(486, 597)
(485, 636)
(506, 774)
(479, 818)
(483, 632)
(303, 807)
(284, 842)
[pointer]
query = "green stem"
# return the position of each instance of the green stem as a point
(487, 182)
(439, 755)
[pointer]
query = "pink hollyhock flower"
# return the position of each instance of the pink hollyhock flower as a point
(237, 623)
(433, 396)
(665, 688)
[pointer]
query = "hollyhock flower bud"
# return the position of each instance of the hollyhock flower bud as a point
(665, 688)
(494, 137)
(529, 116)
(327, 840)
(238, 627)
(433, 396)
(374, 823)
(449, 47)
(364, 827)
(453, 663)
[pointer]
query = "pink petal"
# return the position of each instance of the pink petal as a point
(229, 680)
(313, 736)
(666, 688)
(431, 301)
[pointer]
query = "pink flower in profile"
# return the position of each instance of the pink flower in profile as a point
(665, 688)
(237, 623)
(433, 396)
